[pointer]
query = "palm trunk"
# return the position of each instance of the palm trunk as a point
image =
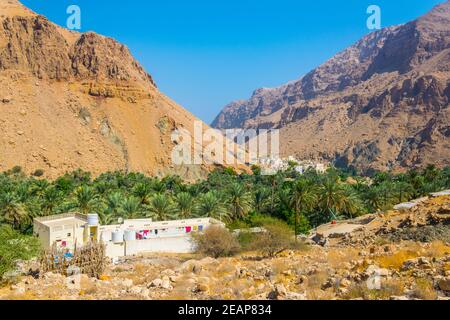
(271, 200)
(296, 221)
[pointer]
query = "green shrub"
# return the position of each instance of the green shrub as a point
(303, 225)
(38, 173)
(238, 224)
(246, 240)
(13, 247)
(216, 242)
(276, 238)
(259, 220)
(16, 170)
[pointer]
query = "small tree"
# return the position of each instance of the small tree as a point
(216, 242)
(38, 173)
(276, 238)
(13, 247)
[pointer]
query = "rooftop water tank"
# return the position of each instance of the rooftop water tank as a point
(117, 236)
(92, 219)
(130, 235)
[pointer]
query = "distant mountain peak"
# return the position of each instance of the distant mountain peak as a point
(382, 103)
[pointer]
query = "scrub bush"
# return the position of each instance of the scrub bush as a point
(216, 242)
(14, 247)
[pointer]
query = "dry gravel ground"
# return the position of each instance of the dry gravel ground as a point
(405, 271)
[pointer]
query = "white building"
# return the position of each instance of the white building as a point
(128, 238)
(271, 166)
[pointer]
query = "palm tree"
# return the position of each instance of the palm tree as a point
(332, 197)
(404, 191)
(418, 183)
(51, 198)
(352, 204)
(101, 187)
(260, 197)
(239, 200)
(284, 202)
(85, 200)
(131, 207)
(106, 218)
(303, 197)
(211, 205)
(185, 204)
(273, 183)
(430, 172)
(161, 207)
(142, 191)
(373, 198)
(12, 211)
(385, 189)
(158, 186)
(173, 183)
(39, 186)
(114, 203)
(23, 191)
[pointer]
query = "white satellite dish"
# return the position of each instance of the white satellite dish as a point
(120, 220)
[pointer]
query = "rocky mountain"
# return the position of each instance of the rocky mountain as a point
(380, 104)
(73, 100)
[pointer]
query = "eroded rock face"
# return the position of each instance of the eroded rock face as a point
(380, 104)
(72, 100)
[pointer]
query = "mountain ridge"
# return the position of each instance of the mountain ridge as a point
(72, 100)
(342, 111)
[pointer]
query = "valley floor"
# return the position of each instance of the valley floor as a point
(383, 259)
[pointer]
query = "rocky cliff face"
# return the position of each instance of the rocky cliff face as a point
(70, 100)
(380, 104)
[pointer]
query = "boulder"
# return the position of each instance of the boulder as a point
(165, 284)
(127, 283)
(202, 287)
(6, 99)
(320, 239)
(399, 298)
(345, 283)
(193, 266)
(161, 283)
(279, 292)
(135, 290)
(156, 283)
(375, 270)
(444, 284)
(168, 272)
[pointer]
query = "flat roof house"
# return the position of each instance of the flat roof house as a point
(65, 230)
(129, 238)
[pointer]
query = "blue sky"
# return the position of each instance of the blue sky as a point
(205, 54)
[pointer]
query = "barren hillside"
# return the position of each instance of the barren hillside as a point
(79, 100)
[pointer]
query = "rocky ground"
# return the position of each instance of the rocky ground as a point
(381, 258)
